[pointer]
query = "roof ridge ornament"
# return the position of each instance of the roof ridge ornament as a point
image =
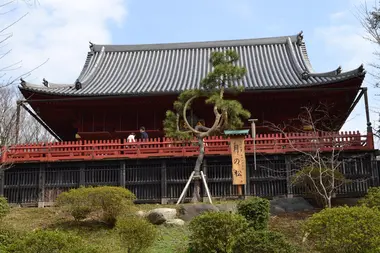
(338, 70)
(305, 75)
(299, 38)
(45, 82)
(361, 68)
(91, 46)
(23, 83)
(333, 73)
(78, 84)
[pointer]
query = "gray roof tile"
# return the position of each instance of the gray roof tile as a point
(278, 62)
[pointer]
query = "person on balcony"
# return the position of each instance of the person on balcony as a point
(144, 135)
(131, 137)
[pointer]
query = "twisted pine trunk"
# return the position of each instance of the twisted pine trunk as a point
(197, 175)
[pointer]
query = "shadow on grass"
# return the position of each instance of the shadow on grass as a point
(86, 225)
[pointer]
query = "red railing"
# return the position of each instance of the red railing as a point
(118, 149)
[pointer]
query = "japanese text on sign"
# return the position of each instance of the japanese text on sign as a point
(238, 160)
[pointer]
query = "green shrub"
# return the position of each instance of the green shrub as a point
(4, 207)
(345, 229)
(7, 236)
(112, 201)
(215, 231)
(372, 198)
(262, 241)
(108, 200)
(76, 202)
(256, 211)
(136, 234)
(50, 242)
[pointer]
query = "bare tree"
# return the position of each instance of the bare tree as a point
(369, 17)
(30, 130)
(318, 163)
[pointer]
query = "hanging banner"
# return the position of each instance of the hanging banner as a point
(238, 160)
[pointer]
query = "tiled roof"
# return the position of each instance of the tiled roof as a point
(271, 63)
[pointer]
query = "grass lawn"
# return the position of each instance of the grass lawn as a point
(171, 239)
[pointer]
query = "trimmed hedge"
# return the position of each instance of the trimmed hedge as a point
(256, 211)
(262, 241)
(43, 241)
(109, 201)
(372, 198)
(215, 231)
(136, 234)
(345, 230)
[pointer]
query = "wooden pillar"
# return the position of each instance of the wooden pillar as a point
(82, 175)
(288, 167)
(247, 187)
(2, 181)
(370, 141)
(122, 174)
(367, 108)
(41, 185)
(164, 183)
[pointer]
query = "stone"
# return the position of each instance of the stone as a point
(175, 222)
(188, 212)
(227, 207)
(276, 210)
(141, 214)
(288, 205)
(160, 215)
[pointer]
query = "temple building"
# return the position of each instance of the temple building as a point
(124, 87)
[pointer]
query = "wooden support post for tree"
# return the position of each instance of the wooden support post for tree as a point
(204, 169)
(186, 187)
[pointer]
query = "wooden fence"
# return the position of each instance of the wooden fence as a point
(161, 180)
(155, 148)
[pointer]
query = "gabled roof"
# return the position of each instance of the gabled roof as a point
(271, 63)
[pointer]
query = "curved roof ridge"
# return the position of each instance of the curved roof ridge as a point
(93, 68)
(191, 45)
(293, 59)
(48, 85)
(86, 65)
(308, 70)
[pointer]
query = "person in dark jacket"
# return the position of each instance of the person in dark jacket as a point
(144, 135)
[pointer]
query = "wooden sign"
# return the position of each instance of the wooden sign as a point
(238, 160)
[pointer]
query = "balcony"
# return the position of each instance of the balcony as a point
(164, 147)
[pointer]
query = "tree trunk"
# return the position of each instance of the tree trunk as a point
(197, 175)
(328, 200)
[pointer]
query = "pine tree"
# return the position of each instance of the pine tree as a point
(226, 77)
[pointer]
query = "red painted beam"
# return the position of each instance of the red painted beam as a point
(217, 145)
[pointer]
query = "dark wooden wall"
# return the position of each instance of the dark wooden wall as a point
(162, 180)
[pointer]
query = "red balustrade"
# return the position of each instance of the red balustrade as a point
(216, 145)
